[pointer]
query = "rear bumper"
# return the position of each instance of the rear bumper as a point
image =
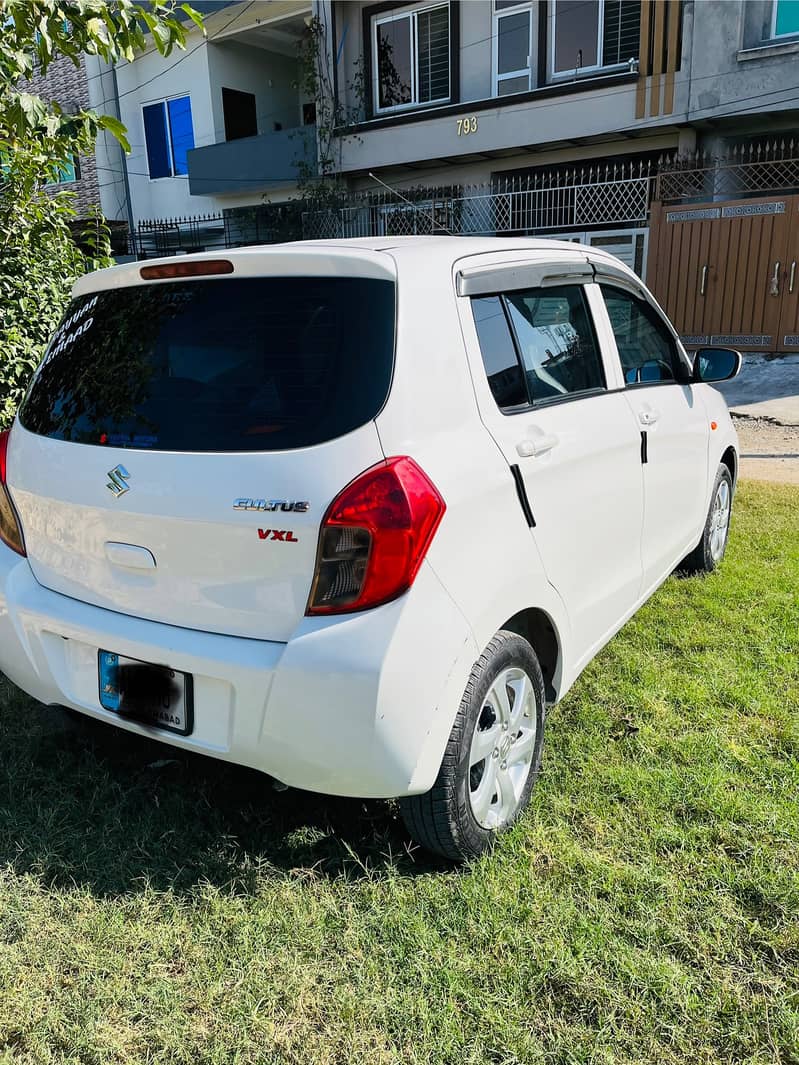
(360, 705)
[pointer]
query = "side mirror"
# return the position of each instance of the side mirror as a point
(717, 364)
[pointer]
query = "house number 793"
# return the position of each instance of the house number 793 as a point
(467, 126)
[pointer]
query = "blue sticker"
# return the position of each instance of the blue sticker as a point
(109, 681)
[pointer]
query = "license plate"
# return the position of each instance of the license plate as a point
(153, 695)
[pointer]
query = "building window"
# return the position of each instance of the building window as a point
(785, 18)
(410, 57)
(240, 114)
(67, 173)
(169, 134)
(602, 34)
(513, 47)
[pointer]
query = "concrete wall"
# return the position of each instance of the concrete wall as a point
(269, 76)
(736, 73)
(151, 78)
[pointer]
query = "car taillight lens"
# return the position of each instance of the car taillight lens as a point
(374, 538)
(10, 528)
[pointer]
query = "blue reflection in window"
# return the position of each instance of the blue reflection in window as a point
(155, 134)
(182, 132)
(169, 135)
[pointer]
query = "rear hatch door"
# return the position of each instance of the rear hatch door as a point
(182, 440)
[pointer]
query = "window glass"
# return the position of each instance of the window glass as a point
(155, 134)
(513, 42)
(169, 134)
(181, 131)
(240, 364)
(647, 350)
(411, 61)
(508, 86)
(394, 62)
(576, 34)
(558, 348)
(501, 363)
(433, 54)
(621, 31)
(786, 17)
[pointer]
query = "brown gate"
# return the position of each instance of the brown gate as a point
(728, 273)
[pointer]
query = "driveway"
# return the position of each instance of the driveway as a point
(765, 388)
(764, 402)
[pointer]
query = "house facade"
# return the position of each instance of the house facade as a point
(557, 110)
(221, 124)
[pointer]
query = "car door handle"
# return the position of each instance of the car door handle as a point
(539, 445)
(648, 417)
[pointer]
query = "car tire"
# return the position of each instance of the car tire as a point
(492, 758)
(709, 552)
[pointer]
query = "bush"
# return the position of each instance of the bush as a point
(39, 261)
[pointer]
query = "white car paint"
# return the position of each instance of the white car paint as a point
(360, 703)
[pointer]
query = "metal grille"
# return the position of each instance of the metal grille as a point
(748, 170)
(571, 199)
(234, 228)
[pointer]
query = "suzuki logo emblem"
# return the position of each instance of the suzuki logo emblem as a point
(119, 481)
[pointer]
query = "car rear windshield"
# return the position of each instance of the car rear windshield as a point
(237, 364)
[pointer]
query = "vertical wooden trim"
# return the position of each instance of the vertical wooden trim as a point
(654, 255)
(672, 58)
(657, 58)
(643, 61)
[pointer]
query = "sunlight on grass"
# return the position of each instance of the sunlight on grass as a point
(644, 911)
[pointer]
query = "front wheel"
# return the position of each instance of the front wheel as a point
(492, 758)
(709, 552)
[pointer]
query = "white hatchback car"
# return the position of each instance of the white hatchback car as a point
(355, 513)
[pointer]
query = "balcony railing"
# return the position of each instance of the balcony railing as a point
(268, 161)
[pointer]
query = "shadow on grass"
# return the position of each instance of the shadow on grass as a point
(83, 803)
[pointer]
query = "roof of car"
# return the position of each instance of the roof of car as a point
(439, 252)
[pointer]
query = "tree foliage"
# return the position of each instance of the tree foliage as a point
(39, 257)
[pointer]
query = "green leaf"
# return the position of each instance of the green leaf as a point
(195, 16)
(116, 128)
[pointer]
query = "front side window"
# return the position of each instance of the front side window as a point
(538, 346)
(647, 350)
(588, 35)
(513, 30)
(410, 57)
(168, 135)
(785, 18)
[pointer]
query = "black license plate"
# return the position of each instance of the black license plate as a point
(152, 695)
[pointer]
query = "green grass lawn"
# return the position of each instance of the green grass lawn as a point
(645, 910)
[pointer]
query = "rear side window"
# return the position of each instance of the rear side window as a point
(538, 346)
(505, 377)
(241, 364)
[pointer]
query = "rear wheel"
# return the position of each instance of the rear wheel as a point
(492, 758)
(709, 552)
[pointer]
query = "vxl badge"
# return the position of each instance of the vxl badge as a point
(119, 481)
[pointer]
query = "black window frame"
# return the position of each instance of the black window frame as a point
(683, 377)
(551, 401)
(368, 15)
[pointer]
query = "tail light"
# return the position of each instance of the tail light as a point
(10, 528)
(374, 538)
